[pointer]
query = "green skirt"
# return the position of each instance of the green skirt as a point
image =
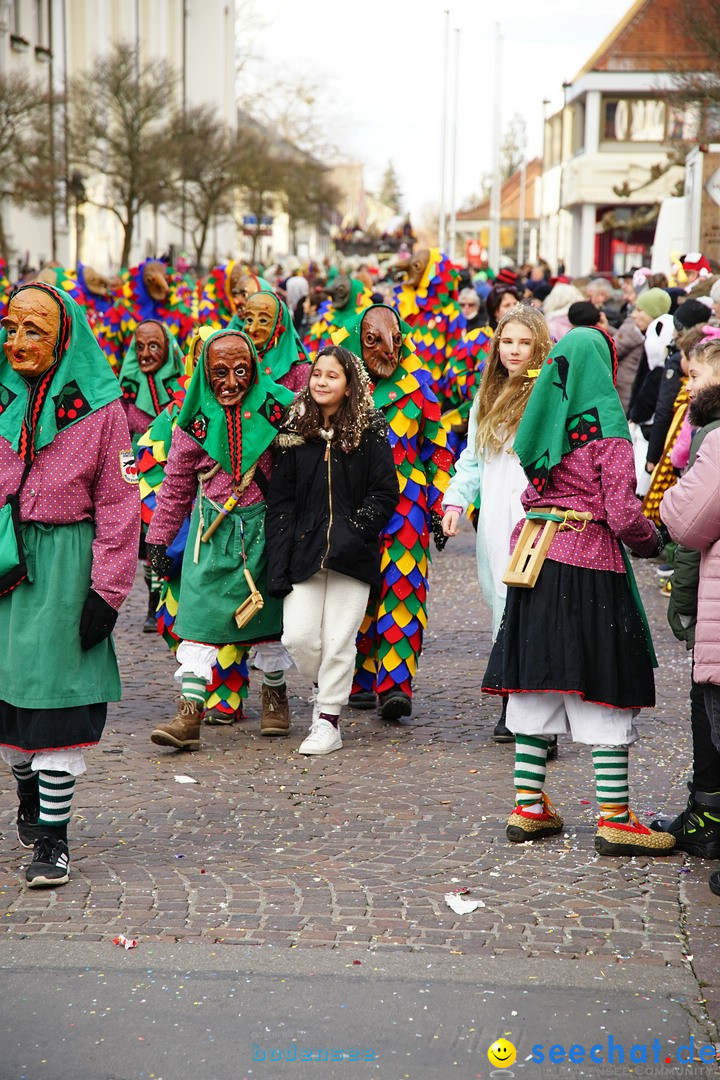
(213, 588)
(42, 665)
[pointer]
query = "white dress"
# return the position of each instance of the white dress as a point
(494, 484)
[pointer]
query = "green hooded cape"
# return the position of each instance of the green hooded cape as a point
(78, 383)
(235, 437)
(151, 393)
(573, 403)
(283, 349)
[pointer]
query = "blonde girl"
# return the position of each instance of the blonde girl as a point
(488, 474)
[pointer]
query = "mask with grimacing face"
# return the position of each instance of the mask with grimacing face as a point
(381, 340)
(155, 281)
(151, 347)
(242, 287)
(32, 325)
(261, 315)
(229, 368)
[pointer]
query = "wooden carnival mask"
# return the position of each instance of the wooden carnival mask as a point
(261, 314)
(32, 325)
(229, 369)
(381, 341)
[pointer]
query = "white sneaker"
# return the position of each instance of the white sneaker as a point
(323, 739)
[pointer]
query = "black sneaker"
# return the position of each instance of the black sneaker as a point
(696, 830)
(714, 883)
(28, 813)
(50, 862)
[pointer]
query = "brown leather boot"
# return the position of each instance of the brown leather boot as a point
(184, 731)
(275, 711)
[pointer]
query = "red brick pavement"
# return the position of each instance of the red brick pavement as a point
(356, 850)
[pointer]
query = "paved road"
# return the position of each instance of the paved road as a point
(280, 899)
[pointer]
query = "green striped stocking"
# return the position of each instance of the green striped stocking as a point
(611, 781)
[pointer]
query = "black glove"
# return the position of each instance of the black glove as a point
(160, 561)
(97, 620)
(438, 535)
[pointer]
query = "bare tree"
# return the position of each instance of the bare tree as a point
(119, 120)
(307, 195)
(695, 89)
(211, 161)
(512, 147)
(26, 172)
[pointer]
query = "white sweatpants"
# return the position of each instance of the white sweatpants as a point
(321, 618)
(553, 713)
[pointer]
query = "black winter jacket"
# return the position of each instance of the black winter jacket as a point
(327, 515)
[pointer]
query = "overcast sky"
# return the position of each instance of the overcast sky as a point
(380, 64)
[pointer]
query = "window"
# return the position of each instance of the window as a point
(633, 120)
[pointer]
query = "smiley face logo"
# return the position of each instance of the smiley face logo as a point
(502, 1054)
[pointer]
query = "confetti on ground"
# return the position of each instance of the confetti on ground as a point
(182, 779)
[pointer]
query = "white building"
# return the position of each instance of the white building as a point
(617, 124)
(53, 40)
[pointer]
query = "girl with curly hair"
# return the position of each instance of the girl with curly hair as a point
(333, 489)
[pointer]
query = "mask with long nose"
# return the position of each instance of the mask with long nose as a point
(155, 281)
(381, 340)
(414, 267)
(340, 291)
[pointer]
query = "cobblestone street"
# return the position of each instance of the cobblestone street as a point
(356, 850)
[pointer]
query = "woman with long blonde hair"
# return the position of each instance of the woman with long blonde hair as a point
(488, 474)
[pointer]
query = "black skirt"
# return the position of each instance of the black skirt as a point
(71, 728)
(578, 631)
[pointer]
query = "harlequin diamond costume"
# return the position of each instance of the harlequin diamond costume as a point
(65, 449)
(574, 651)
(428, 303)
(221, 457)
(347, 298)
(148, 378)
(230, 678)
(217, 306)
(135, 304)
(5, 289)
(391, 635)
(88, 289)
(461, 382)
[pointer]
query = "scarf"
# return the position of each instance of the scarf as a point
(238, 435)
(151, 393)
(78, 383)
(573, 403)
(284, 348)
